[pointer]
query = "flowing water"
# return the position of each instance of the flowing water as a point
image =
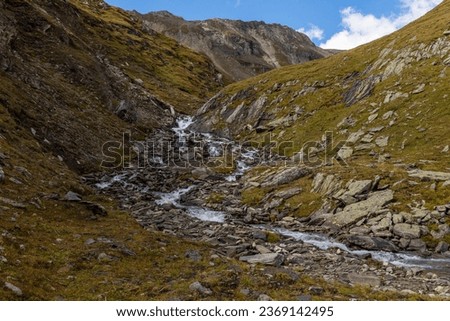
(397, 259)
(246, 157)
(244, 160)
(200, 213)
(320, 241)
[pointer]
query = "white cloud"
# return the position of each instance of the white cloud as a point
(313, 32)
(359, 28)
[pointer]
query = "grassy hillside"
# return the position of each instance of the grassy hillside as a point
(395, 89)
(66, 68)
(80, 73)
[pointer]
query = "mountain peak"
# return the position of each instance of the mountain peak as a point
(240, 49)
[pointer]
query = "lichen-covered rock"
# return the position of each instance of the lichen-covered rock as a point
(274, 259)
(355, 212)
(407, 231)
(286, 176)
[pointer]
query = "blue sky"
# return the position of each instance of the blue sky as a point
(339, 24)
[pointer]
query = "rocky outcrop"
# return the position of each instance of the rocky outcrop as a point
(239, 49)
(92, 86)
(274, 259)
(286, 176)
(408, 231)
(355, 212)
(430, 175)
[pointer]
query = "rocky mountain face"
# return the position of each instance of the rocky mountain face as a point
(371, 124)
(239, 49)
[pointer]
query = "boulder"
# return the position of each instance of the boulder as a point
(286, 176)
(359, 230)
(398, 218)
(344, 219)
(372, 118)
(388, 115)
(325, 185)
(14, 289)
(419, 89)
(407, 231)
(444, 230)
(417, 245)
(72, 197)
(372, 243)
(354, 189)
(382, 141)
(374, 202)
(442, 247)
(316, 290)
(363, 147)
(288, 193)
(429, 175)
(392, 95)
(193, 255)
(354, 137)
(273, 259)
(201, 173)
(355, 212)
(264, 297)
(383, 225)
(262, 249)
(96, 209)
(345, 152)
(367, 138)
(198, 287)
(364, 279)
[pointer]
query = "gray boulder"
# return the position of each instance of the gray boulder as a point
(286, 176)
(14, 289)
(374, 203)
(72, 197)
(355, 212)
(347, 218)
(417, 245)
(354, 189)
(407, 231)
(382, 141)
(442, 247)
(429, 175)
(372, 243)
(273, 259)
(345, 152)
(359, 187)
(365, 280)
(198, 287)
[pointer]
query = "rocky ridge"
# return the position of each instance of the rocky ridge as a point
(239, 49)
